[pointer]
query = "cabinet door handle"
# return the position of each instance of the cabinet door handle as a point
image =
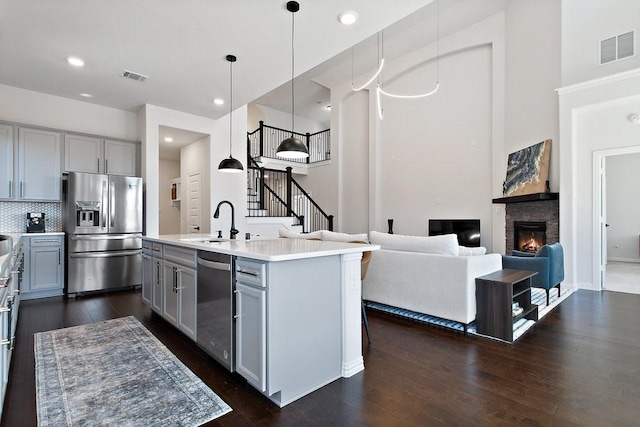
(106, 165)
(59, 257)
(98, 160)
(21, 189)
(10, 189)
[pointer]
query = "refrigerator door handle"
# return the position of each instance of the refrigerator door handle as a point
(104, 205)
(104, 254)
(112, 204)
(104, 237)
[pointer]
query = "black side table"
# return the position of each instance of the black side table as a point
(495, 294)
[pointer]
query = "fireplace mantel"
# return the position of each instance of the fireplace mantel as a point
(527, 198)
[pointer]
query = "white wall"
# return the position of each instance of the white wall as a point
(223, 186)
(532, 75)
(431, 157)
(169, 214)
(39, 109)
(584, 24)
(354, 152)
(623, 207)
(593, 117)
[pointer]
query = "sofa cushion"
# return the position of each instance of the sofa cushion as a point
(446, 244)
(467, 251)
(285, 232)
(332, 236)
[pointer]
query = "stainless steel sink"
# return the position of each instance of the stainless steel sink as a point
(205, 240)
(6, 243)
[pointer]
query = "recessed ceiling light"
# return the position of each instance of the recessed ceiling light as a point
(75, 61)
(218, 101)
(328, 107)
(168, 139)
(86, 95)
(348, 17)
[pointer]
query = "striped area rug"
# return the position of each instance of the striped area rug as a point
(538, 297)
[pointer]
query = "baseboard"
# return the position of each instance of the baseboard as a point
(621, 259)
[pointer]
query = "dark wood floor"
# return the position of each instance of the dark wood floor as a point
(579, 366)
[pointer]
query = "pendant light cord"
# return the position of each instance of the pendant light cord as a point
(293, 59)
(230, 106)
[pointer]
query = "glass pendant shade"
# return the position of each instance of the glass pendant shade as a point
(230, 165)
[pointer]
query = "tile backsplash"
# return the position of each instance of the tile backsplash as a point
(13, 215)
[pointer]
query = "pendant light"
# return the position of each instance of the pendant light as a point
(292, 147)
(381, 92)
(230, 165)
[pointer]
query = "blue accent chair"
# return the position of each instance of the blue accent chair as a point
(548, 261)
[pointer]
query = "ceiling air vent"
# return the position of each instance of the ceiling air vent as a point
(134, 76)
(616, 48)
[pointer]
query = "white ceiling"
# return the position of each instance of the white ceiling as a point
(180, 45)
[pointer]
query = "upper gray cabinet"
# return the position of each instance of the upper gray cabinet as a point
(120, 158)
(96, 155)
(6, 162)
(38, 165)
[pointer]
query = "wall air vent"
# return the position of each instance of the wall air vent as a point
(134, 76)
(617, 48)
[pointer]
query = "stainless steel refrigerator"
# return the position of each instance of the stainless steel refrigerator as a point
(103, 224)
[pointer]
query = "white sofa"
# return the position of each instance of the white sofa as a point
(427, 275)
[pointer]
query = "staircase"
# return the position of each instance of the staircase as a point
(273, 193)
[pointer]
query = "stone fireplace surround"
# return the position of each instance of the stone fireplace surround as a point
(547, 211)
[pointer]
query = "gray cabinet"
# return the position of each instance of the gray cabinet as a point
(44, 267)
(152, 274)
(285, 302)
(30, 169)
(120, 158)
(97, 155)
(251, 346)
(6, 162)
(39, 169)
(169, 280)
(83, 154)
(147, 272)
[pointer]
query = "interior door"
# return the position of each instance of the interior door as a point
(194, 186)
(602, 214)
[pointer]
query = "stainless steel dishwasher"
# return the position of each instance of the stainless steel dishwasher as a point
(215, 326)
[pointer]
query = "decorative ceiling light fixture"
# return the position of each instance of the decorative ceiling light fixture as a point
(292, 147)
(230, 165)
(379, 90)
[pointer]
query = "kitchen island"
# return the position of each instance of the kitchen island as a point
(297, 306)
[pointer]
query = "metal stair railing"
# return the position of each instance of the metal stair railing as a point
(264, 141)
(276, 193)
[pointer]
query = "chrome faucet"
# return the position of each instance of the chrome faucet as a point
(233, 231)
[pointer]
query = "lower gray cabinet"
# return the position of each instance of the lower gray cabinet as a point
(251, 344)
(44, 267)
(169, 284)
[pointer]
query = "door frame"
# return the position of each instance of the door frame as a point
(599, 199)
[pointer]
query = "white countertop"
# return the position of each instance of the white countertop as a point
(263, 248)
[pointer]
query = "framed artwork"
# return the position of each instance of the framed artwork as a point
(528, 170)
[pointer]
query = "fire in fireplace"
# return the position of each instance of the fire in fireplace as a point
(529, 236)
